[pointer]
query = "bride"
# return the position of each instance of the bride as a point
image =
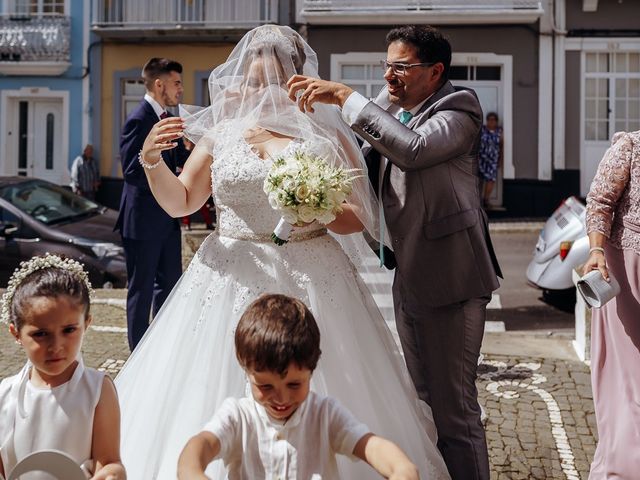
(185, 365)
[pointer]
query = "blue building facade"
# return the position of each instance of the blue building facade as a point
(45, 101)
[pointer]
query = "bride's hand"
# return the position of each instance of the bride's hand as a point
(162, 137)
(301, 224)
(347, 222)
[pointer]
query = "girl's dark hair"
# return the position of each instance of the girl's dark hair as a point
(48, 282)
(431, 45)
(275, 331)
(158, 67)
(492, 115)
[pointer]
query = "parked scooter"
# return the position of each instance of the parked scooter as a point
(562, 246)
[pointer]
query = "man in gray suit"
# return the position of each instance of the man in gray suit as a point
(423, 135)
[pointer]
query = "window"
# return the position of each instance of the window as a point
(611, 94)
(473, 72)
(47, 203)
(205, 101)
(37, 7)
(49, 142)
(23, 132)
(132, 93)
(9, 220)
(360, 71)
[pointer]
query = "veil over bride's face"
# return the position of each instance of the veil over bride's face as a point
(263, 85)
(261, 73)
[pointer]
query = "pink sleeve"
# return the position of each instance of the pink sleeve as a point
(608, 184)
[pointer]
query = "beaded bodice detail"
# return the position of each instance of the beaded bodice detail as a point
(237, 179)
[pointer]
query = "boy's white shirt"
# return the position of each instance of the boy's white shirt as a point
(253, 445)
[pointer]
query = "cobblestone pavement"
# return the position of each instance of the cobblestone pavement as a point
(540, 422)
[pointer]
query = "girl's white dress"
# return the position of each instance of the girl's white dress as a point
(59, 418)
(185, 366)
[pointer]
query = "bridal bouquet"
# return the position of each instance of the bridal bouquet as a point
(303, 187)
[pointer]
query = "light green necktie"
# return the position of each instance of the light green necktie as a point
(405, 117)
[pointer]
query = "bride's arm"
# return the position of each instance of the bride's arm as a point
(183, 195)
(346, 222)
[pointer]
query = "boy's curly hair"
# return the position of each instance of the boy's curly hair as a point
(275, 331)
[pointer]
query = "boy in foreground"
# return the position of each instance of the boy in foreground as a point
(285, 430)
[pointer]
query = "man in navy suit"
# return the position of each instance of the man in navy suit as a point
(151, 238)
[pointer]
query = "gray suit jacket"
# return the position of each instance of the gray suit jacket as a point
(431, 198)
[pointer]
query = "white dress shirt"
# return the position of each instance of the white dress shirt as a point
(356, 103)
(253, 445)
(156, 106)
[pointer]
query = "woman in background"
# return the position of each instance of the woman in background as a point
(490, 155)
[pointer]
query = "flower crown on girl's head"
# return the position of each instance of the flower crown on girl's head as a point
(26, 268)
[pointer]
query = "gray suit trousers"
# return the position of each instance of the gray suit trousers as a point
(441, 348)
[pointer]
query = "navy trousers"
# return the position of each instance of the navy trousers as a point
(153, 268)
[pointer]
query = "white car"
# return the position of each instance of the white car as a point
(562, 246)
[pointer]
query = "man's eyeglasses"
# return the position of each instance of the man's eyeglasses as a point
(401, 68)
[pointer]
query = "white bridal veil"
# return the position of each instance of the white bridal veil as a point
(250, 91)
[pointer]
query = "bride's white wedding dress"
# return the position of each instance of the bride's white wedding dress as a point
(185, 366)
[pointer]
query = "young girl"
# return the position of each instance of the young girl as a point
(55, 402)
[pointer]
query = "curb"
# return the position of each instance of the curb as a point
(515, 227)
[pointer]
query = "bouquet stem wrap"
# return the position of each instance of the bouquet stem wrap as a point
(281, 233)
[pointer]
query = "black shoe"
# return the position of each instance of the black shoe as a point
(210, 226)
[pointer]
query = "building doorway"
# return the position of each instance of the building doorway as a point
(489, 75)
(36, 138)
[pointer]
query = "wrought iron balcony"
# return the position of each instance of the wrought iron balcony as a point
(418, 11)
(35, 39)
(125, 17)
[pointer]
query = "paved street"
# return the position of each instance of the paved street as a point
(536, 392)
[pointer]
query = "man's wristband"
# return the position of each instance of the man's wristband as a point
(148, 166)
(596, 249)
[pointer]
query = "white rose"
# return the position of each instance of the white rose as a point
(288, 184)
(289, 216)
(274, 201)
(306, 213)
(302, 192)
(292, 169)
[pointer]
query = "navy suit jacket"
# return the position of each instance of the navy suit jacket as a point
(141, 217)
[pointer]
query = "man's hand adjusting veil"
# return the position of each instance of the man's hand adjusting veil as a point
(316, 90)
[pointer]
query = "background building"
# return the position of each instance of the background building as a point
(199, 34)
(563, 75)
(44, 86)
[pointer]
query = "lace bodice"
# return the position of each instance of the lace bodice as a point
(613, 202)
(237, 178)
